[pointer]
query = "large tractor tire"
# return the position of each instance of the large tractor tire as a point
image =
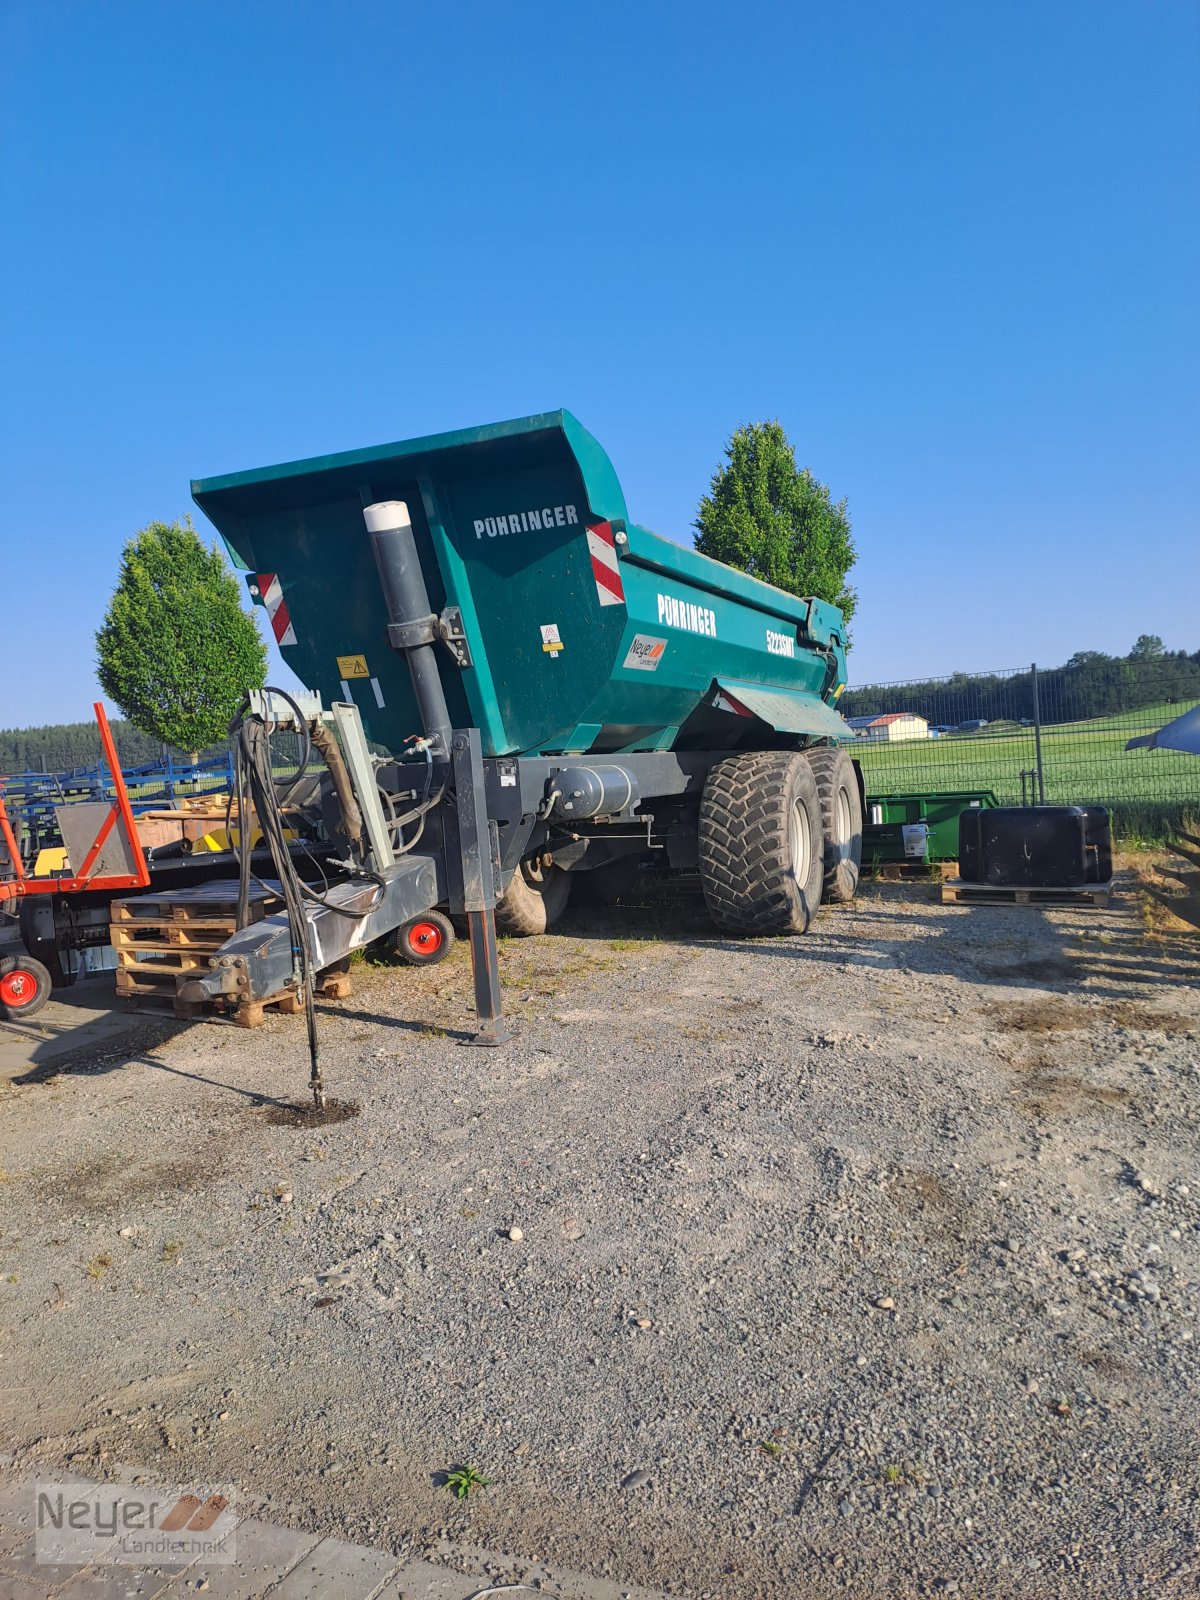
(762, 856)
(841, 820)
(24, 987)
(533, 902)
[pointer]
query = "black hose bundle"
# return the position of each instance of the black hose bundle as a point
(256, 795)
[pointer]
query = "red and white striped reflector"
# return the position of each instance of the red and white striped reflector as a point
(270, 592)
(603, 551)
(724, 701)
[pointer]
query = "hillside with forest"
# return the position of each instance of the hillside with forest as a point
(63, 746)
(1090, 684)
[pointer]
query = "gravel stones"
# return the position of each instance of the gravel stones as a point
(694, 1137)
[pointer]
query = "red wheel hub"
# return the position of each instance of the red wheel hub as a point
(18, 988)
(425, 938)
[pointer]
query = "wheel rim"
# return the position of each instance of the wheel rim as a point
(18, 988)
(841, 825)
(425, 938)
(798, 842)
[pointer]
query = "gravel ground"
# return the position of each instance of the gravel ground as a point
(863, 1263)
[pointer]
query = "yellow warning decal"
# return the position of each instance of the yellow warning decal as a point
(353, 667)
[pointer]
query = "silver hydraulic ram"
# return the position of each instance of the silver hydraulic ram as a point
(412, 626)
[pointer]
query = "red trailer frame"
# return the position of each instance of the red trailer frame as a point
(22, 981)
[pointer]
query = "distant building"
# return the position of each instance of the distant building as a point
(892, 726)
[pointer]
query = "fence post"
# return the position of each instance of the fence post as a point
(1037, 737)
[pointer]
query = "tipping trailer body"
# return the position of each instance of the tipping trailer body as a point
(569, 628)
(561, 691)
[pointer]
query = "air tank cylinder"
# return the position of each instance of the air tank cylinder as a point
(594, 791)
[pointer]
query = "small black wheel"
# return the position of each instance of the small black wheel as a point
(24, 987)
(424, 940)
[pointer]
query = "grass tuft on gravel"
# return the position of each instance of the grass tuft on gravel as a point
(462, 1480)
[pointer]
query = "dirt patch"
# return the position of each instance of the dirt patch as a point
(928, 1190)
(1049, 1091)
(1063, 1015)
(1041, 1016)
(1104, 1364)
(116, 1178)
(1145, 1019)
(1045, 971)
(303, 1114)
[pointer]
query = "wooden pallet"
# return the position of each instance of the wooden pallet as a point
(162, 940)
(159, 936)
(1183, 902)
(907, 871)
(147, 935)
(956, 892)
(164, 1003)
(162, 1000)
(205, 903)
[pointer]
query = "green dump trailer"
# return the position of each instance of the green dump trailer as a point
(559, 692)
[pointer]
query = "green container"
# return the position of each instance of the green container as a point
(888, 815)
(585, 631)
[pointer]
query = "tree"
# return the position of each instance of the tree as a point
(775, 521)
(177, 652)
(1149, 647)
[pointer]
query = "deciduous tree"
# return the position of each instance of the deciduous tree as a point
(176, 651)
(775, 520)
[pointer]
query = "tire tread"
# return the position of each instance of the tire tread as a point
(745, 866)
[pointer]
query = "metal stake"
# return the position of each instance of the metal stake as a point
(1037, 736)
(478, 885)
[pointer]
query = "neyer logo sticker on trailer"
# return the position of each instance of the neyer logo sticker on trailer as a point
(645, 653)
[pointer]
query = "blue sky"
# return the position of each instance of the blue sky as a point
(954, 249)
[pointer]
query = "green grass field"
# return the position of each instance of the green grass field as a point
(1083, 762)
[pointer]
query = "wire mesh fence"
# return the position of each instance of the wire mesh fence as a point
(32, 799)
(1053, 737)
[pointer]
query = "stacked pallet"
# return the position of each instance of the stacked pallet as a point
(163, 940)
(956, 892)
